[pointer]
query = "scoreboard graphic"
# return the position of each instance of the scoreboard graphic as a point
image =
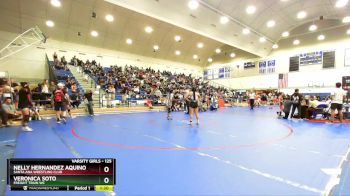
(81, 174)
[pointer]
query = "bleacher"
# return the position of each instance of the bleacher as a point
(62, 75)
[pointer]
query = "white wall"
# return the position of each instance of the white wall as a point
(311, 75)
(27, 64)
(111, 57)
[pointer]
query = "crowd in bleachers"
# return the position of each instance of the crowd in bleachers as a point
(133, 83)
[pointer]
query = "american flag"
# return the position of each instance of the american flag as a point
(282, 80)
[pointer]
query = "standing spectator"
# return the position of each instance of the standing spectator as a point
(52, 86)
(194, 98)
(55, 56)
(24, 103)
(88, 97)
(296, 102)
(280, 103)
(251, 99)
(44, 92)
(110, 95)
(45, 86)
(67, 103)
(338, 96)
(58, 98)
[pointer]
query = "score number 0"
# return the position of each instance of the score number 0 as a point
(106, 170)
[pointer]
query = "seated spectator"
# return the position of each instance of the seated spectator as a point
(35, 112)
(75, 99)
(8, 111)
(313, 103)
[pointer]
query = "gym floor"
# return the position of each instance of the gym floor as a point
(234, 151)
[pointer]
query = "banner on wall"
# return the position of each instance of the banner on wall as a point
(221, 72)
(267, 66)
(217, 73)
(205, 74)
(210, 74)
(227, 72)
(249, 65)
(262, 67)
(271, 66)
(347, 57)
(310, 58)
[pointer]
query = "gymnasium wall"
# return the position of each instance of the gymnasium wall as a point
(310, 75)
(28, 64)
(111, 57)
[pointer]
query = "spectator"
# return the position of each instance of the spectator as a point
(88, 97)
(296, 103)
(8, 111)
(58, 100)
(252, 99)
(110, 95)
(52, 86)
(24, 103)
(338, 96)
(313, 103)
(45, 86)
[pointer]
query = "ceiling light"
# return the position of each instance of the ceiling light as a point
(245, 31)
(346, 19)
(321, 37)
(94, 33)
(348, 32)
(301, 14)
(285, 34)
(155, 47)
(210, 60)
(296, 42)
(49, 23)
(224, 19)
(232, 55)
(109, 18)
(312, 27)
(262, 39)
(177, 38)
(195, 56)
(177, 52)
(270, 23)
(250, 9)
(218, 50)
(275, 46)
(129, 41)
(149, 29)
(200, 45)
(284, 0)
(193, 4)
(341, 3)
(56, 3)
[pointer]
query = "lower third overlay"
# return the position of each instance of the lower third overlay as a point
(81, 174)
